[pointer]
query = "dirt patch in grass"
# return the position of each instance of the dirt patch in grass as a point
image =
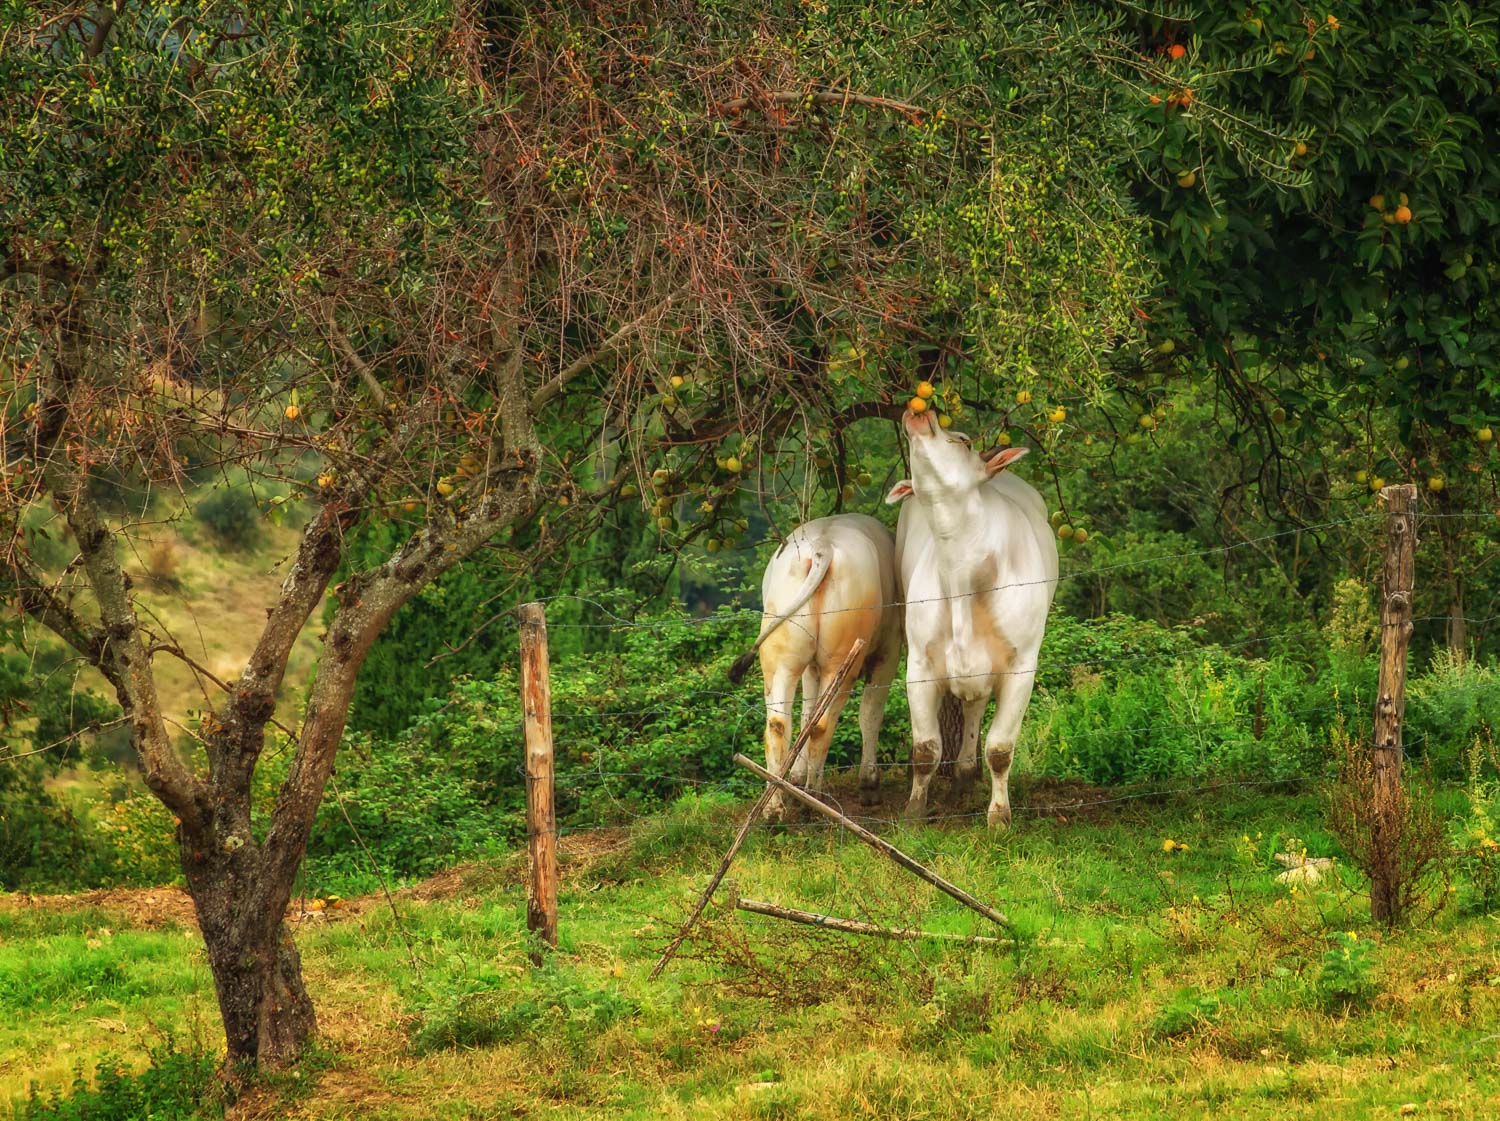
(143, 908)
(150, 908)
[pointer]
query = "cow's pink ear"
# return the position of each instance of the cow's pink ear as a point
(899, 491)
(1003, 459)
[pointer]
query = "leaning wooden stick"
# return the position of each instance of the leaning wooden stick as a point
(824, 700)
(877, 843)
(855, 926)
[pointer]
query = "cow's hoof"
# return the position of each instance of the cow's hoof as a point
(869, 794)
(915, 813)
(999, 817)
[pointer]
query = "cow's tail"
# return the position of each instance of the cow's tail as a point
(951, 725)
(821, 561)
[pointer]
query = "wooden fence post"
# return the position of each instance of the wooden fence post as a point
(1390, 704)
(541, 818)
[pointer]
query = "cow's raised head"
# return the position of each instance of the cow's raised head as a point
(944, 464)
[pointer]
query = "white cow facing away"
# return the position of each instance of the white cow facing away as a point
(832, 581)
(978, 568)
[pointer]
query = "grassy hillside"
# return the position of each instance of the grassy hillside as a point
(207, 598)
(1149, 983)
(214, 606)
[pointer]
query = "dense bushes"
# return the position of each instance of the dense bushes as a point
(176, 1086)
(43, 842)
(231, 515)
(633, 729)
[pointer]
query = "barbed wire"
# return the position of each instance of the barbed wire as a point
(736, 614)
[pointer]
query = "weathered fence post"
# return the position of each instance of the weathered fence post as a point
(541, 819)
(1390, 704)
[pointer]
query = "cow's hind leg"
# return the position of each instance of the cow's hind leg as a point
(871, 717)
(1011, 700)
(925, 699)
(781, 697)
(816, 753)
(811, 691)
(966, 769)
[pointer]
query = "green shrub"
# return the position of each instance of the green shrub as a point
(1075, 646)
(176, 1086)
(1346, 977)
(231, 515)
(1212, 714)
(1455, 702)
(418, 805)
(1475, 833)
(491, 1008)
(1186, 1013)
(137, 842)
(633, 729)
(45, 722)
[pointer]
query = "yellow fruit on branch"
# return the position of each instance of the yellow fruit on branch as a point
(1187, 179)
(1058, 415)
(924, 389)
(292, 412)
(1023, 397)
(917, 405)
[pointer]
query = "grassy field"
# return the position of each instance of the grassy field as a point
(1148, 983)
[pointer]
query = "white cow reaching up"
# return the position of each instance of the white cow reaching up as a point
(978, 569)
(833, 581)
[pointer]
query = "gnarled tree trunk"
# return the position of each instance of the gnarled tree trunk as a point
(268, 1016)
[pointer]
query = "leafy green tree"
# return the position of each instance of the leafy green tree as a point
(1325, 190)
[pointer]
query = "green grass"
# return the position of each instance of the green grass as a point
(1147, 984)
